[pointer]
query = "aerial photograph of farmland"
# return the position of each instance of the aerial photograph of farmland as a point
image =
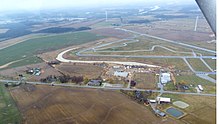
(108, 62)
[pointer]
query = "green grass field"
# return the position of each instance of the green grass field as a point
(179, 64)
(9, 113)
(193, 80)
(145, 44)
(208, 86)
(106, 24)
(145, 81)
(198, 65)
(211, 63)
(28, 49)
(212, 76)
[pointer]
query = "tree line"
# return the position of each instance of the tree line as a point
(63, 79)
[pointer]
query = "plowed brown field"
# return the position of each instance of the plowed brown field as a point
(60, 105)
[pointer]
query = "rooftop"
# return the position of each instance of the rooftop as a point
(121, 74)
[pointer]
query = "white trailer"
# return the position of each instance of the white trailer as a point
(200, 87)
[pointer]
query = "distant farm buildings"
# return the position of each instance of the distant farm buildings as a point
(34, 71)
(164, 78)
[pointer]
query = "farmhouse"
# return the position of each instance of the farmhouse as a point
(164, 78)
(34, 71)
(121, 74)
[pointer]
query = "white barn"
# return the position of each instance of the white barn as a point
(163, 100)
(164, 78)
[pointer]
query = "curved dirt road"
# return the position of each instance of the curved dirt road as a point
(61, 59)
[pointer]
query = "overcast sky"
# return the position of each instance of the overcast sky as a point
(48, 4)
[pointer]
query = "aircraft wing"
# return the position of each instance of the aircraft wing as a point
(208, 8)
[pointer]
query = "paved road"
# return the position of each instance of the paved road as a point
(190, 67)
(206, 64)
(206, 73)
(130, 80)
(80, 53)
(206, 77)
(118, 46)
(61, 59)
(171, 41)
(160, 85)
(103, 46)
(108, 88)
(139, 56)
(149, 50)
(203, 75)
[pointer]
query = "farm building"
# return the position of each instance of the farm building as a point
(133, 83)
(34, 71)
(94, 83)
(114, 85)
(121, 74)
(163, 100)
(164, 78)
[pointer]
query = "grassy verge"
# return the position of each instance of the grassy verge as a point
(25, 61)
(9, 113)
(211, 63)
(198, 65)
(179, 64)
(212, 76)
